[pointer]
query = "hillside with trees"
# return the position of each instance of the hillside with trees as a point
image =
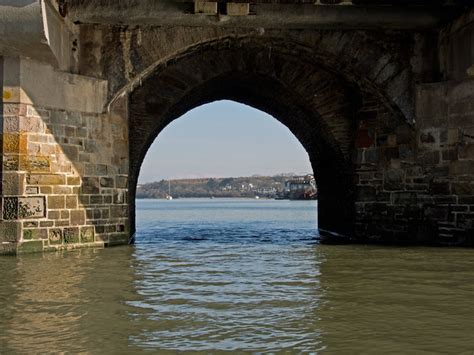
(262, 186)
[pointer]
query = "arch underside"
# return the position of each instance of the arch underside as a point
(321, 108)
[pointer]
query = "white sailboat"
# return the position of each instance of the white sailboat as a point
(169, 197)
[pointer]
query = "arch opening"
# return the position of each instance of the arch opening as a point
(225, 151)
(329, 164)
(321, 107)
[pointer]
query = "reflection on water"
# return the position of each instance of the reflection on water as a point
(221, 275)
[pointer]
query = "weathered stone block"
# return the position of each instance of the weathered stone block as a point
(30, 224)
(205, 7)
(105, 213)
(96, 200)
(10, 208)
(366, 193)
(32, 190)
(35, 234)
(453, 136)
(46, 179)
(14, 143)
(237, 9)
(73, 180)
(121, 182)
(58, 117)
(11, 162)
(372, 155)
(450, 154)
(71, 235)
(461, 167)
(89, 169)
(10, 231)
(56, 202)
(467, 151)
(431, 103)
(90, 185)
(463, 188)
(429, 137)
(13, 183)
(54, 214)
(93, 214)
(404, 198)
(46, 190)
(55, 236)
(119, 211)
(90, 146)
(78, 217)
(394, 179)
(118, 239)
(440, 187)
(392, 140)
(461, 120)
(106, 182)
(70, 131)
(31, 124)
(35, 164)
(71, 151)
(87, 234)
(30, 247)
(62, 223)
(405, 151)
(71, 202)
(431, 158)
(101, 169)
(31, 207)
(81, 132)
(62, 190)
(465, 220)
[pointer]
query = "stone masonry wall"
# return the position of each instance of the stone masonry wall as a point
(416, 183)
(64, 178)
(445, 129)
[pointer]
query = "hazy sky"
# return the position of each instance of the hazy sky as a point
(223, 139)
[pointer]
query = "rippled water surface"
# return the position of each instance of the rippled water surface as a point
(237, 275)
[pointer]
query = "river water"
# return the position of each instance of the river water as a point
(237, 276)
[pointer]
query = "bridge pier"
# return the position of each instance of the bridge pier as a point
(425, 192)
(64, 172)
(389, 129)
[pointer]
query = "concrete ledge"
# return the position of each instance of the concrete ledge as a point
(30, 82)
(34, 29)
(169, 13)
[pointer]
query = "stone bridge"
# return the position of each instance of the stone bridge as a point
(379, 92)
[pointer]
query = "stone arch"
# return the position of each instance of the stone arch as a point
(380, 66)
(320, 105)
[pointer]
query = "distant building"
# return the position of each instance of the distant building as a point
(300, 188)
